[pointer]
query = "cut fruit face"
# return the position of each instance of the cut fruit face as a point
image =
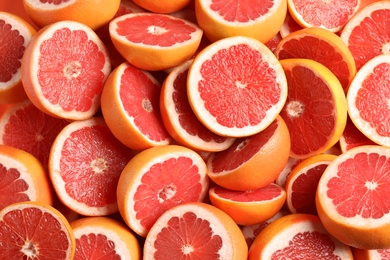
(85, 163)
(368, 100)
(24, 229)
(195, 229)
(316, 109)
(367, 33)
(70, 85)
(352, 199)
(157, 179)
(236, 86)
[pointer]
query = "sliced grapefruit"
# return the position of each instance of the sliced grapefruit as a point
(179, 119)
(153, 41)
(373, 254)
(195, 230)
(236, 86)
(352, 137)
(25, 127)
(67, 86)
(249, 207)
(316, 108)
(252, 162)
(367, 33)
(352, 198)
(130, 107)
(104, 237)
(85, 163)
(302, 183)
(43, 12)
(22, 178)
(300, 236)
(257, 19)
(331, 15)
(368, 100)
(157, 179)
(164, 7)
(323, 46)
(15, 34)
(31, 230)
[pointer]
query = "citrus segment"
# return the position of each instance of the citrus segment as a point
(331, 15)
(85, 163)
(195, 230)
(249, 207)
(157, 179)
(367, 33)
(152, 41)
(15, 35)
(373, 254)
(323, 46)
(352, 199)
(236, 86)
(301, 236)
(67, 86)
(25, 127)
(43, 12)
(316, 109)
(22, 178)
(290, 165)
(252, 162)
(179, 119)
(104, 237)
(368, 100)
(289, 25)
(257, 19)
(302, 183)
(31, 230)
(130, 107)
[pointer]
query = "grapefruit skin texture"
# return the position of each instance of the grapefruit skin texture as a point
(158, 6)
(261, 169)
(262, 30)
(93, 13)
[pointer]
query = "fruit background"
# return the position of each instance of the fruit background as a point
(194, 129)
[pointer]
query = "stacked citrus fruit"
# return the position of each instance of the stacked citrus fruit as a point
(194, 129)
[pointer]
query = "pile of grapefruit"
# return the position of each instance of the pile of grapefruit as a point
(194, 129)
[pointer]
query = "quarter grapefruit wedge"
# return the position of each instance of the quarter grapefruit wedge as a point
(63, 70)
(15, 34)
(157, 179)
(195, 230)
(352, 198)
(31, 230)
(236, 86)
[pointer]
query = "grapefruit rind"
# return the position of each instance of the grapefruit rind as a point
(365, 233)
(195, 76)
(369, 128)
(31, 70)
(233, 241)
(140, 164)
